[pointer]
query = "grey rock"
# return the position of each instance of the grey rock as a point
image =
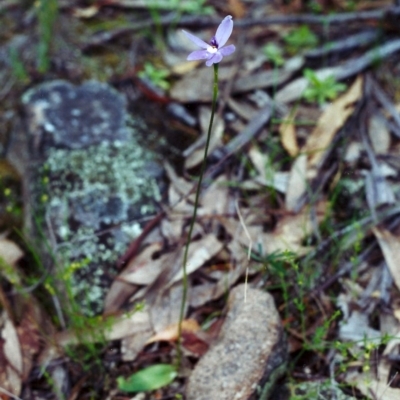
(249, 356)
(86, 179)
(75, 117)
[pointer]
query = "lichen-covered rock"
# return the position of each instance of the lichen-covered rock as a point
(249, 356)
(87, 180)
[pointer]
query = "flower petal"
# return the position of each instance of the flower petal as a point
(199, 55)
(196, 40)
(228, 50)
(215, 59)
(224, 31)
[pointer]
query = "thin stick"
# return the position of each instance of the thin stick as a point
(250, 246)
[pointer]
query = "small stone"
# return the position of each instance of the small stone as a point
(250, 354)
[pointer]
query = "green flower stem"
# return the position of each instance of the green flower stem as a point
(196, 204)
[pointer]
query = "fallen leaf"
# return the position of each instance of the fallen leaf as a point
(215, 200)
(88, 12)
(165, 310)
(291, 230)
(379, 134)
(297, 184)
(170, 333)
(287, 131)
(370, 387)
(143, 269)
(236, 8)
(10, 254)
(195, 344)
(133, 329)
(200, 252)
(11, 366)
(357, 329)
(267, 176)
(331, 120)
(390, 246)
(260, 80)
(148, 379)
(29, 336)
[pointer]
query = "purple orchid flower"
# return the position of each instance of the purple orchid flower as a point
(213, 52)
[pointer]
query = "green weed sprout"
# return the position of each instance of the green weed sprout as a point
(300, 39)
(18, 67)
(274, 54)
(321, 90)
(156, 75)
(47, 11)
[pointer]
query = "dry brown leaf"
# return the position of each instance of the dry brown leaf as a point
(117, 295)
(291, 230)
(195, 343)
(385, 364)
(379, 134)
(170, 333)
(11, 365)
(88, 12)
(201, 294)
(133, 328)
(288, 234)
(267, 176)
(356, 329)
(165, 310)
(331, 120)
(181, 186)
(29, 336)
(216, 199)
(236, 8)
(239, 235)
(10, 254)
(297, 184)
(369, 386)
(200, 252)
(121, 326)
(287, 131)
(390, 246)
(143, 269)
(185, 67)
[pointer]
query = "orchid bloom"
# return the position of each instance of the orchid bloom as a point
(213, 52)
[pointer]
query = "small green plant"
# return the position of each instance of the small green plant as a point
(17, 66)
(315, 7)
(300, 39)
(156, 75)
(58, 285)
(148, 379)
(47, 11)
(274, 54)
(321, 90)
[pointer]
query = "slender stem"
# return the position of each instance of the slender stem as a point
(196, 203)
